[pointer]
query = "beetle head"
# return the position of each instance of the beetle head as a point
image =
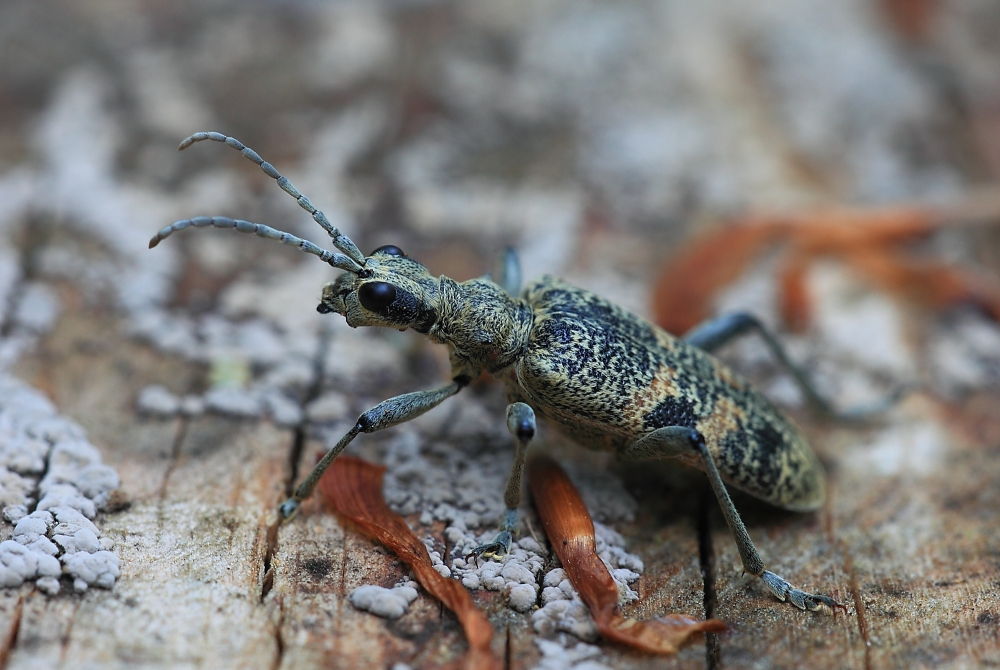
(391, 291)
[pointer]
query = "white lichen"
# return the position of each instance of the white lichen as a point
(330, 406)
(445, 483)
(579, 656)
(234, 402)
(156, 400)
(47, 458)
(387, 603)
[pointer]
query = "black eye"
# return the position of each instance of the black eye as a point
(376, 296)
(389, 250)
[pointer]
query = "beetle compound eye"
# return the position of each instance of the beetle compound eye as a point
(389, 250)
(376, 296)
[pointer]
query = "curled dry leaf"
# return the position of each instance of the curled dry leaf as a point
(867, 240)
(352, 488)
(571, 533)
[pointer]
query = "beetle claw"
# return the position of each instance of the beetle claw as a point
(785, 592)
(498, 548)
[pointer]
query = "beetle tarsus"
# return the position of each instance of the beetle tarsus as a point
(785, 592)
(497, 548)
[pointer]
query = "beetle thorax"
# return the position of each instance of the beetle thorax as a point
(484, 327)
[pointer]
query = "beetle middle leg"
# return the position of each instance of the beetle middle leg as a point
(716, 332)
(521, 424)
(679, 441)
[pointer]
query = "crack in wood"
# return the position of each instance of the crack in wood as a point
(294, 456)
(10, 641)
(7, 311)
(64, 641)
(295, 452)
(446, 555)
(271, 548)
(35, 236)
(508, 653)
(324, 338)
(279, 638)
(859, 608)
(175, 455)
(706, 561)
(339, 602)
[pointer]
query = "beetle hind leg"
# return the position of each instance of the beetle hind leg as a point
(674, 441)
(521, 424)
(716, 332)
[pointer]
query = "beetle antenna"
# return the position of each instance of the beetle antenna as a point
(337, 260)
(341, 241)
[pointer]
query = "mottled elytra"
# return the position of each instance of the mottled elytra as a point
(599, 374)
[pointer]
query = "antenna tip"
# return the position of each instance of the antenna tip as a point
(153, 242)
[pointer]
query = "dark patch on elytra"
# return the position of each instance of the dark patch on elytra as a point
(588, 360)
(671, 411)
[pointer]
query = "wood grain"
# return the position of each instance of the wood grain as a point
(912, 554)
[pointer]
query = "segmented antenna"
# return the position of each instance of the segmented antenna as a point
(336, 260)
(355, 260)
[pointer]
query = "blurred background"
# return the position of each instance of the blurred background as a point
(591, 135)
(595, 137)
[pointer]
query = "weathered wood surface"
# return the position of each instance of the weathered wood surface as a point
(914, 558)
(596, 135)
(195, 547)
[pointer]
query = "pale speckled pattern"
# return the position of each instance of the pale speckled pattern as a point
(663, 115)
(608, 378)
(604, 376)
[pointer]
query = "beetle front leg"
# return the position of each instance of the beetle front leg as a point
(521, 424)
(388, 413)
(674, 441)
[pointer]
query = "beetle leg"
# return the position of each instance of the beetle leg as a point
(510, 272)
(521, 424)
(388, 413)
(674, 441)
(714, 333)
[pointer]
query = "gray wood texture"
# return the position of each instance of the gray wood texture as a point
(596, 136)
(914, 563)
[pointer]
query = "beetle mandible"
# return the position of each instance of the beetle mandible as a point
(604, 377)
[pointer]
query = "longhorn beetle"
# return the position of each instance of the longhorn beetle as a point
(603, 376)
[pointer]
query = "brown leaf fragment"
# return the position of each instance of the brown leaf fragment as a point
(868, 240)
(571, 533)
(682, 297)
(352, 488)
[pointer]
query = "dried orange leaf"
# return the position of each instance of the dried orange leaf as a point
(793, 296)
(571, 533)
(352, 488)
(684, 291)
(863, 238)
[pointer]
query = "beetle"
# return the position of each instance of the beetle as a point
(604, 377)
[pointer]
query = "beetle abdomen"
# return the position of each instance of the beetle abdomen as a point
(606, 377)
